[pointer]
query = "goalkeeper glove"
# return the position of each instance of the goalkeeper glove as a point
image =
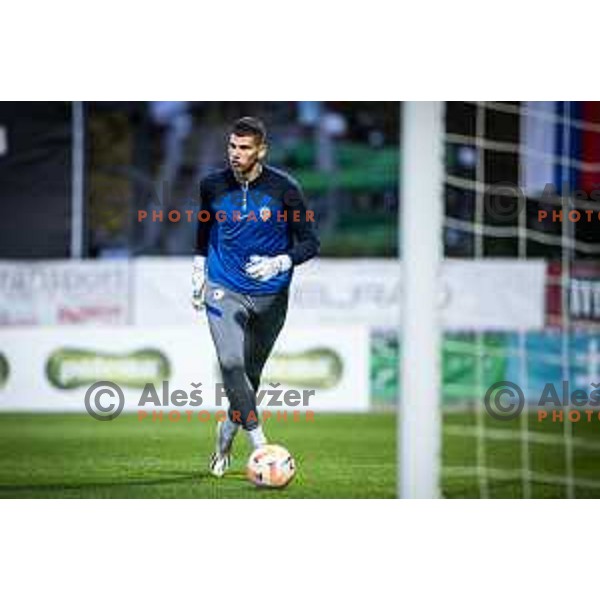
(264, 268)
(198, 282)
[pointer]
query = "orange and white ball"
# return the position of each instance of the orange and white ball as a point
(270, 466)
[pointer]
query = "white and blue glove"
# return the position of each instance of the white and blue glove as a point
(198, 282)
(263, 268)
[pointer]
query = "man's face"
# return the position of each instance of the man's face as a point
(244, 152)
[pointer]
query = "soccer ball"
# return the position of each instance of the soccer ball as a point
(270, 466)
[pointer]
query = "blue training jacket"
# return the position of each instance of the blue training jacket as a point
(266, 217)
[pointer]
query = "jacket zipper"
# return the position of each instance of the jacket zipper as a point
(244, 197)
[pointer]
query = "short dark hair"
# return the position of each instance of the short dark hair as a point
(250, 126)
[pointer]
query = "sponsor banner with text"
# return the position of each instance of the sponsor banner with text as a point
(475, 295)
(51, 369)
(75, 292)
(471, 363)
(487, 295)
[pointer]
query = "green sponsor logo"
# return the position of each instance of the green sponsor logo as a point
(4, 370)
(315, 368)
(465, 359)
(68, 368)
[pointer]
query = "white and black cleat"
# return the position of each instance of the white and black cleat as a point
(219, 463)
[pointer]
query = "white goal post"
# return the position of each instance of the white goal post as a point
(421, 252)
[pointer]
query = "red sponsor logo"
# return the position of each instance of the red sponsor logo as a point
(83, 314)
(575, 294)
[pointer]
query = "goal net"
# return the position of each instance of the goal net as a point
(514, 341)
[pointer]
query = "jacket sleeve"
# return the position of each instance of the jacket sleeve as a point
(304, 240)
(203, 230)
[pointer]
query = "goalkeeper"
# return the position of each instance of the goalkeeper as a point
(258, 228)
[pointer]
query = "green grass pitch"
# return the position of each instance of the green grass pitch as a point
(338, 456)
(74, 456)
(549, 456)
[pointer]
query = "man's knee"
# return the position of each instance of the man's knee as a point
(231, 362)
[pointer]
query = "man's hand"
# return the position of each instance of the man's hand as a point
(264, 268)
(198, 282)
